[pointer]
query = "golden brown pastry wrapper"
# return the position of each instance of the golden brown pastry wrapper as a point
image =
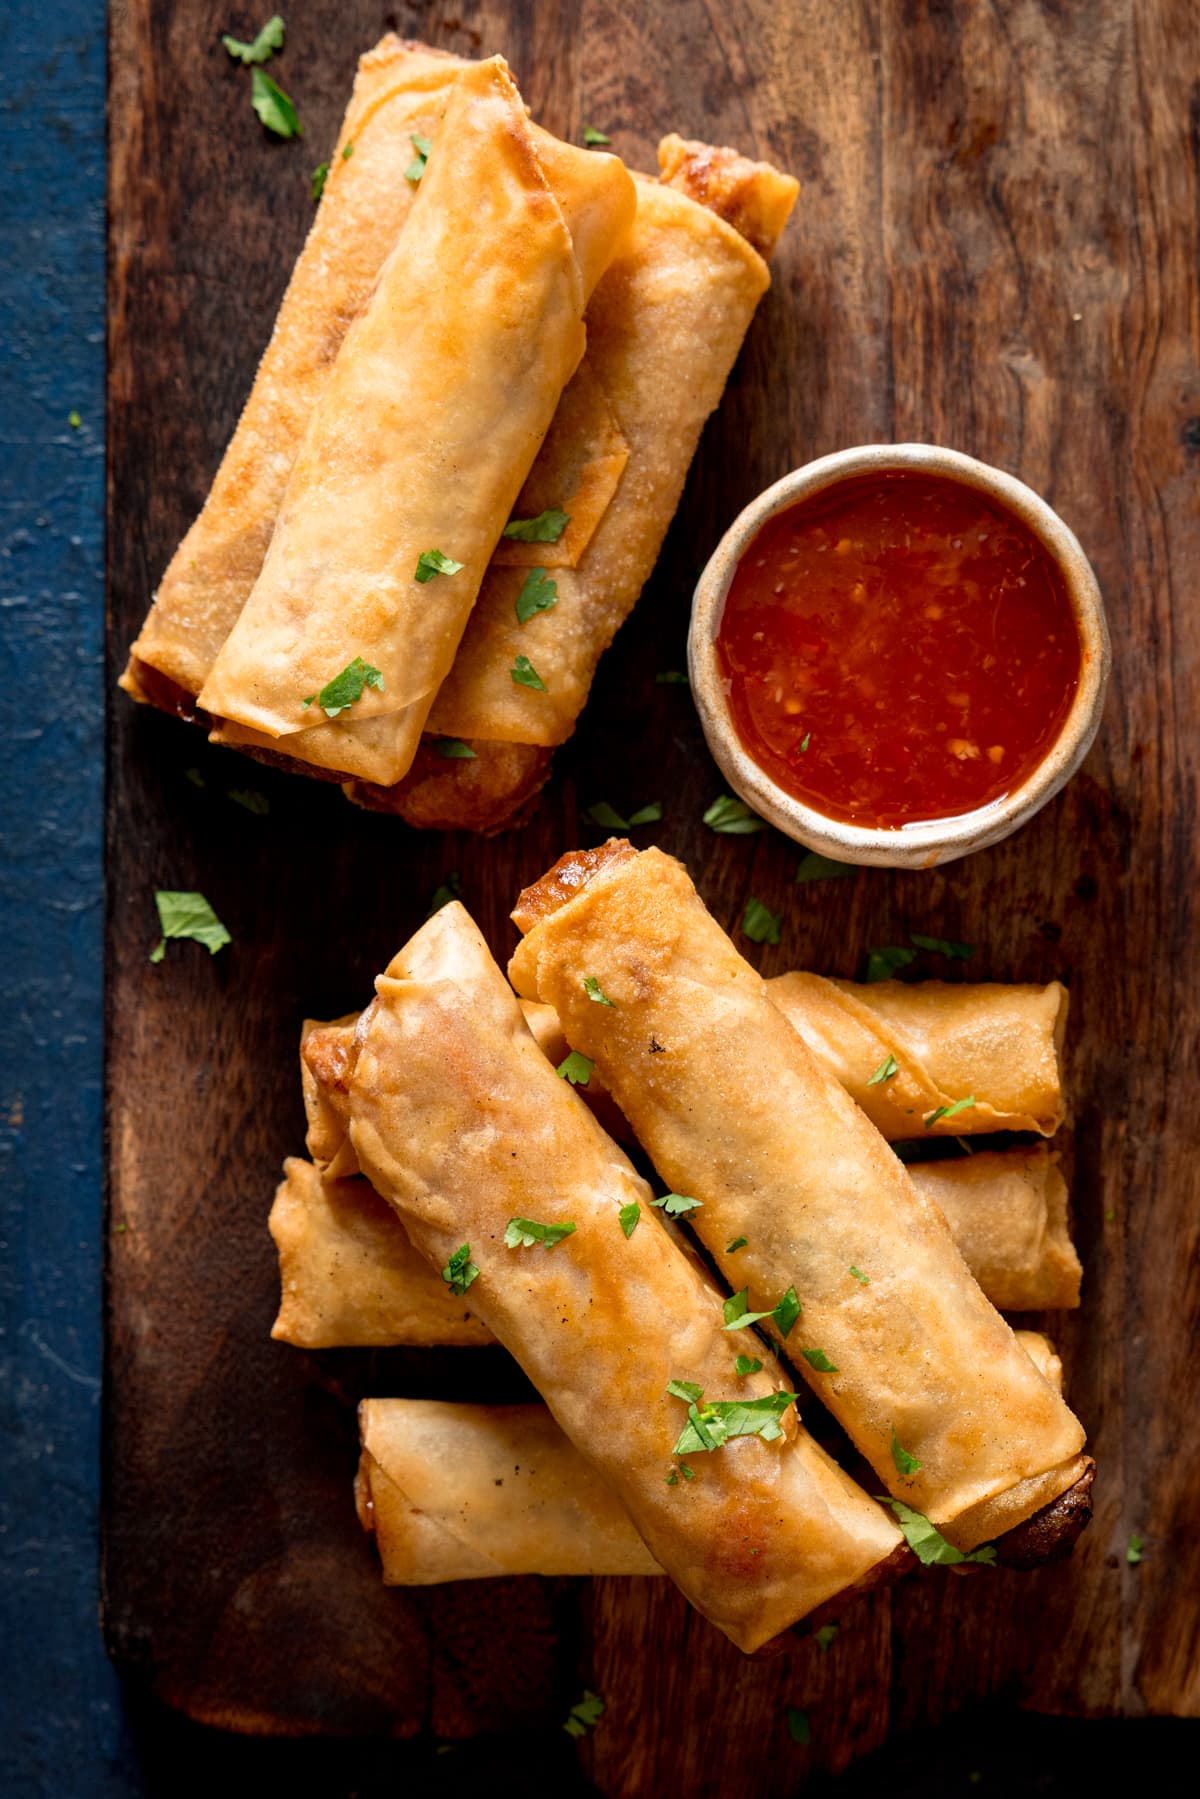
(735, 1112)
(462, 1124)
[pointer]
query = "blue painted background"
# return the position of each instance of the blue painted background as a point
(66, 1728)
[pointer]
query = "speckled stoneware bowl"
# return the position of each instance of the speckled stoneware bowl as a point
(919, 845)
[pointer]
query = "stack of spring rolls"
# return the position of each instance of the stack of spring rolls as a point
(466, 1184)
(494, 346)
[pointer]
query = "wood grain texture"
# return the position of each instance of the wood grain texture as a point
(994, 249)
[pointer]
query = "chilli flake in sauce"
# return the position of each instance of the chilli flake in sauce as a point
(899, 647)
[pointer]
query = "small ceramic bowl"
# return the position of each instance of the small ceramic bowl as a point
(921, 844)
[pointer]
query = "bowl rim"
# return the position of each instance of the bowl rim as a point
(928, 841)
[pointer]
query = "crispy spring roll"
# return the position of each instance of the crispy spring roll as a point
(464, 1492)
(431, 418)
(349, 1277)
(735, 1112)
(400, 89)
(460, 1122)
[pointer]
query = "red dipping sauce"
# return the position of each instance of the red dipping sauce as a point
(898, 647)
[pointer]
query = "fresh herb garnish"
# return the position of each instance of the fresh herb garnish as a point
(74, 420)
(815, 867)
(537, 594)
(887, 1068)
(628, 1217)
(434, 562)
(269, 39)
(576, 1069)
(960, 1105)
(250, 800)
(864, 1280)
(738, 1243)
(421, 147)
(460, 1270)
(347, 688)
(582, 1717)
(273, 107)
(547, 527)
(733, 818)
(319, 176)
(906, 1464)
(799, 1728)
(883, 963)
(823, 1636)
(785, 1312)
(524, 674)
(941, 946)
(348, 151)
(1133, 1553)
(524, 1233)
(591, 136)
(676, 1204)
(805, 741)
(711, 1426)
(609, 819)
(927, 1542)
(687, 1473)
(816, 1358)
(672, 1479)
(671, 677)
(686, 1390)
(450, 889)
(454, 749)
(188, 915)
(759, 923)
(592, 988)
(747, 1364)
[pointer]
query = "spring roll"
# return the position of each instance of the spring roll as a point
(459, 1121)
(465, 1492)
(437, 404)
(350, 1278)
(736, 1113)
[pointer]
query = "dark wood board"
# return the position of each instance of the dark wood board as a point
(995, 249)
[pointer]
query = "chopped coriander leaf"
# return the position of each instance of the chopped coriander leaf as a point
(348, 152)
(524, 674)
(738, 1243)
(814, 867)
(799, 1728)
(787, 1312)
(251, 800)
(460, 1270)
(269, 39)
(687, 1390)
(784, 1313)
(583, 1716)
(319, 177)
(576, 1069)
(816, 1358)
(434, 562)
(733, 818)
(710, 1427)
(74, 420)
(524, 1233)
(960, 1105)
(687, 1473)
(591, 136)
(273, 107)
(883, 963)
(676, 1204)
(672, 1479)
(1133, 1553)
(906, 1464)
(610, 819)
(671, 677)
(194, 776)
(547, 527)
(592, 988)
(864, 1280)
(450, 889)
(538, 594)
(628, 1217)
(927, 1542)
(422, 147)
(823, 1636)
(759, 923)
(346, 689)
(805, 741)
(647, 815)
(188, 915)
(941, 946)
(887, 1068)
(454, 749)
(747, 1364)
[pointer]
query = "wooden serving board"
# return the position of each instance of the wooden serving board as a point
(994, 249)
